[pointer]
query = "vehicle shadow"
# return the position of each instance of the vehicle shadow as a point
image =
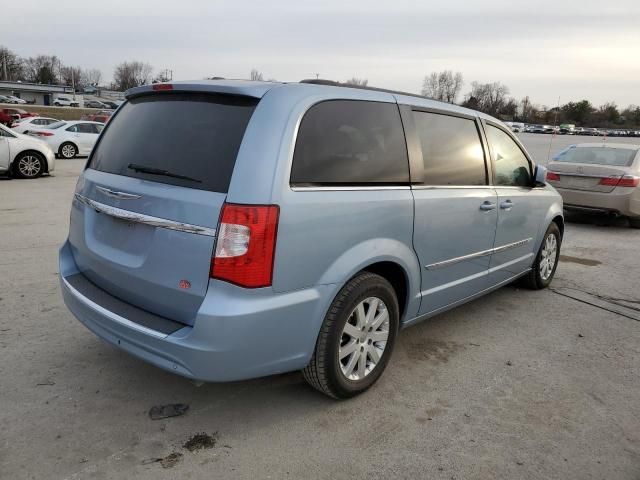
(596, 220)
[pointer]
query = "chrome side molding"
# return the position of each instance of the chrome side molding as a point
(119, 195)
(145, 219)
(471, 256)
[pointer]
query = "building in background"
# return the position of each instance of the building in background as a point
(35, 93)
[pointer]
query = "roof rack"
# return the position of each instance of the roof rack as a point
(333, 83)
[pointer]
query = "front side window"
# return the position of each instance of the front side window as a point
(451, 150)
(511, 166)
(350, 142)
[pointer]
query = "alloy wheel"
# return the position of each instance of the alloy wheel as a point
(29, 166)
(548, 256)
(68, 151)
(364, 339)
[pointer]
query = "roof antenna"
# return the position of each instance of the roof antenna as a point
(555, 124)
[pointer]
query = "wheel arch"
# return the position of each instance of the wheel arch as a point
(397, 276)
(389, 258)
(559, 220)
(59, 151)
(45, 164)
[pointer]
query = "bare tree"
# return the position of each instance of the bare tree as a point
(11, 67)
(42, 69)
(357, 82)
(91, 76)
(71, 76)
(490, 98)
(444, 86)
(131, 74)
(256, 75)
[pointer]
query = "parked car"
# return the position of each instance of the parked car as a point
(110, 104)
(324, 242)
(567, 129)
(600, 178)
(590, 131)
(542, 129)
(65, 102)
(17, 100)
(23, 156)
(6, 119)
(102, 116)
(94, 104)
(90, 89)
(18, 113)
(69, 139)
(515, 126)
(29, 123)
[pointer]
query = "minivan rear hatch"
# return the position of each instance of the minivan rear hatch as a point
(146, 208)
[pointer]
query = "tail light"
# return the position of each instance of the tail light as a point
(553, 176)
(246, 244)
(162, 86)
(41, 134)
(625, 181)
(629, 181)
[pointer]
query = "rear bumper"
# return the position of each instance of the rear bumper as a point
(237, 334)
(621, 201)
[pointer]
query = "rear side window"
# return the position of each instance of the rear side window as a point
(194, 138)
(615, 157)
(451, 150)
(350, 142)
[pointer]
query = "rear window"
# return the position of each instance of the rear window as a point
(192, 136)
(350, 142)
(615, 157)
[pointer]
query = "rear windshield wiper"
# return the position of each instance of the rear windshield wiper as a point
(158, 171)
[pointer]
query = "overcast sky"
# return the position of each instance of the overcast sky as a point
(545, 49)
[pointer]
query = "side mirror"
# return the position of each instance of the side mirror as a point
(540, 176)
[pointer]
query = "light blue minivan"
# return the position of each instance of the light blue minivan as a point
(225, 230)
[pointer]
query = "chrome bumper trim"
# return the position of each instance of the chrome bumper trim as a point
(145, 219)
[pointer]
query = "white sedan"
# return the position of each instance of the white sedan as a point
(70, 139)
(24, 156)
(23, 125)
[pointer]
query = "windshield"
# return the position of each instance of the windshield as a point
(615, 157)
(176, 137)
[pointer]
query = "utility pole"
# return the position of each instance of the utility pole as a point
(73, 83)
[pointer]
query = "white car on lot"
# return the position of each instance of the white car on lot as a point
(23, 125)
(24, 156)
(69, 139)
(65, 102)
(17, 100)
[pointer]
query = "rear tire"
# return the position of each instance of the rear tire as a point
(68, 150)
(546, 262)
(28, 165)
(634, 222)
(368, 304)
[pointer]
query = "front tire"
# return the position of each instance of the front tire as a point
(546, 262)
(634, 222)
(356, 339)
(68, 150)
(28, 165)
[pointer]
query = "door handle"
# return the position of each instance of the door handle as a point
(506, 205)
(487, 206)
